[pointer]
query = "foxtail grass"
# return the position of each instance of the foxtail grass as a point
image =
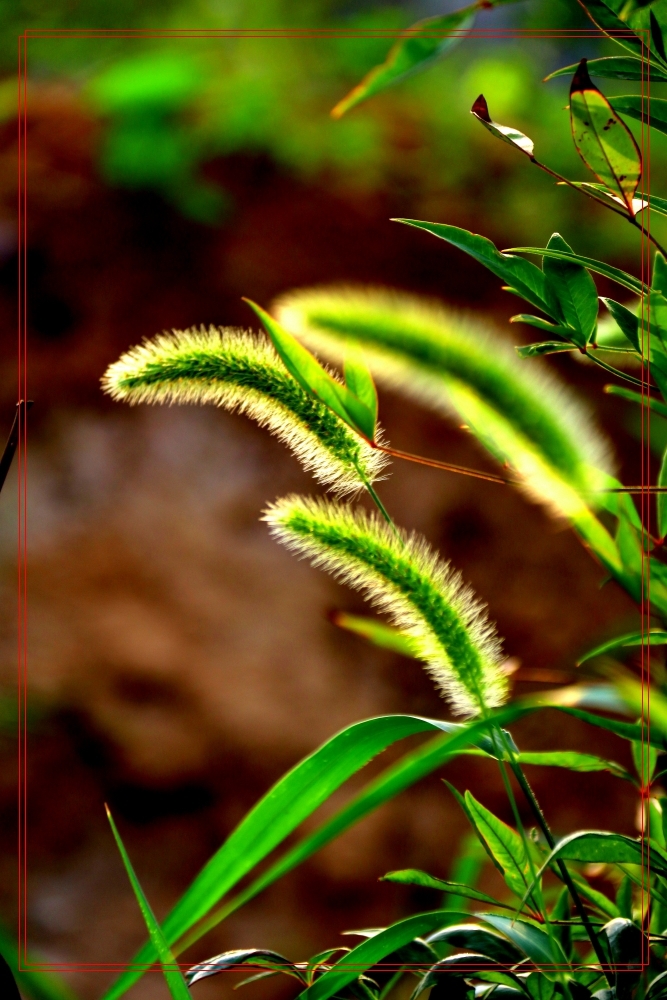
(404, 578)
(241, 372)
(521, 414)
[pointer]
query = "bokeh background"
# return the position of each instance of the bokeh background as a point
(179, 661)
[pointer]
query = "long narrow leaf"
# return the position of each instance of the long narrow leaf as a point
(616, 68)
(374, 950)
(598, 266)
(172, 974)
(416, 49)
(298, 794)
(651, 637)
(652, 112)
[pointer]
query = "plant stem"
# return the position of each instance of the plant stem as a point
(589, 194)
(562, 867)
(378, 503)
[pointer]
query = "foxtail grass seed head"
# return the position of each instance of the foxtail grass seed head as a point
(241, 372)
(404, 578)
(454, 363)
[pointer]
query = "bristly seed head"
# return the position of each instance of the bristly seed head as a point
(406, 579)
(241, 372)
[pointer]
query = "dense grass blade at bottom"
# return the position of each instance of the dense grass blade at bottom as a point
(172, 974)
(298, 794)
(395, 779)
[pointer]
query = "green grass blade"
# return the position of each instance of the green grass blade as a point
(373, 950)
(291, 800)
(651, 637)
(412, 876)
(172, 974)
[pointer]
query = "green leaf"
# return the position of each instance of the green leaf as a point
(360, 383)
(539, 987)
(416, 49)
(542, 324)
(509, 135)
(652, 112)
(607, 197)
(525, 278)
(374, 950)
(627, 321)
(529, 939)
(172, 974)
(605, 144)
(624, 897)
(412, 876)
(575, 290)
(661, 502)
(600, 847)
(645, 758)
(635, 397)
(657, 41)
(240, 958)
(605, 17)
(616, 68)
(311, 376)
(544, 347)
(651, 637)
(445, 973)
(472, 937)
(598, 266)
(574, 761)
(504, 843)
(295, 797)
(384, 636)
(659, 279)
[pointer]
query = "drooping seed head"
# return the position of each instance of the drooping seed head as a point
(519, 412)
(241, 372)
(407, 580)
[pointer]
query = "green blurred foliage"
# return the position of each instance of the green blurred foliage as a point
(170, 106)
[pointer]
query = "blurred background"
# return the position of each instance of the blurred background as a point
(179, 661)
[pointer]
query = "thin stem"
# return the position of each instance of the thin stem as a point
(446, 466)
(614, 371)
(378, 503)
(601, 201)
(562, 867)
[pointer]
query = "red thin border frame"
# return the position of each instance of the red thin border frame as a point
(21, 456)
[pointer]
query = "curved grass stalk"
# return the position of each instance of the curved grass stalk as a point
(242, 373)
(406, 579)
(522, 416)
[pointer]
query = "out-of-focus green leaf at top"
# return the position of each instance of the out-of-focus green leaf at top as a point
(616, 68)
(652, 111)
(418, 47)
(377, 632)
(604, 142)
(510, 135)
(161, 81)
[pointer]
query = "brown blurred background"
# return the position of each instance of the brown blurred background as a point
(179, 660)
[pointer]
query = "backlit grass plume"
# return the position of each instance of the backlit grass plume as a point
(519, 413)
(403, 577)
(242, 372)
